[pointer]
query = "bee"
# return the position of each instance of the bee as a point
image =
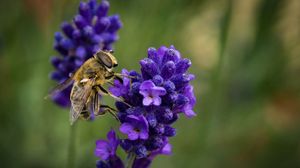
(88, 83)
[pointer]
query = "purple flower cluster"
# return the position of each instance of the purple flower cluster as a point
(157, 96)
(91, 29)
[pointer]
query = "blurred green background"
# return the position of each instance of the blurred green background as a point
(245, 56)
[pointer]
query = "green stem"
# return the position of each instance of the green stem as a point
(130, 160)
(72, 147)
(217, 81)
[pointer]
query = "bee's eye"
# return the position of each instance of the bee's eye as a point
(105, 59)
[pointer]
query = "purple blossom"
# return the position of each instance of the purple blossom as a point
(188, 108)
(151, 93)
(104, 148)
(136, 127)
(157, 97)
(165, 150)
(91, 29)
(145, 162)
(106, 151)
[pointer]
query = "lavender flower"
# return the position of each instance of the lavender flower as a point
(151, 93)
(106, 150)
(136, 127)
(157, 97)
(145, 162)
(91, 29)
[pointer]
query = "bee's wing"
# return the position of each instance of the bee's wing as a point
(80, 96)
(60, 87)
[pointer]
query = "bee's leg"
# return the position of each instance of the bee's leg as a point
(123, 75)
(113, 76)
(100, 89)
(119, 79)
(111, 83)
(112, 111)
(96, 102)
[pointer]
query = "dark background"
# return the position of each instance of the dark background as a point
(245, 56)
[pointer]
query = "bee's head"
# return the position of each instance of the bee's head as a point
(107, 59)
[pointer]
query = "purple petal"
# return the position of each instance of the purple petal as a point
(80, 52)
(57, 76)
(151, 119)
(126, 128)
(126, 81)
(169, 86)
(156, 101)
(133, 118)
(116, 89)
(183, 65)
(103, 8)
(144, 123)
(158, 91)
(146, 85)
(167, 149)
(101, 143)
(181, 80)
(188, 91)
(92, 4)
(111, 136)
(161, 51)
(102, 149)
(149, 67)
(55, 61)
(181, 100)
(58, 36)
(133, 135)
(79, 22)
(169, 131)
(157, 80)
(101, 25)
(168, 69)
(144, 93)
(96, 39)
(116, 23)
(152, 54)
(189, 113)
(171, 55)
(88, 31)
(67, 29)
(144, 134)
(147, 101)
(113, 140)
